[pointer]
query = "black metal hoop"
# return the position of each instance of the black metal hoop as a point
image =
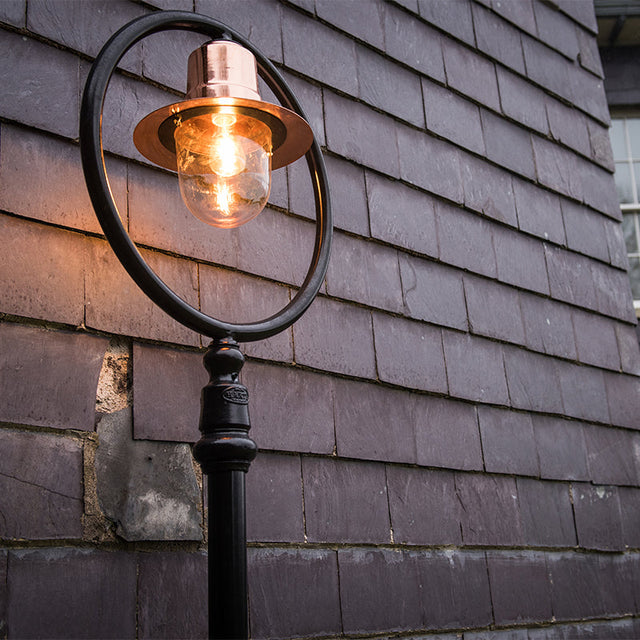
(96, 178)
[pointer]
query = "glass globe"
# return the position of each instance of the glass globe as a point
(224, 167)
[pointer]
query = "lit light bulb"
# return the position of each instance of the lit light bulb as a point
(227, 156)
(224, 167)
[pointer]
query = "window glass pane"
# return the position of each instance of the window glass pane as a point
(629, 230)
(634, 274)
(623, 183)
(633, 125)
(618, 143)
(636, 171)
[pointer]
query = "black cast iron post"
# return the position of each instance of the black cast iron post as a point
(225, 452)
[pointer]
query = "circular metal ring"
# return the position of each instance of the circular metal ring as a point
(96, 178)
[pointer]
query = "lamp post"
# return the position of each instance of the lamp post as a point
(223, 141)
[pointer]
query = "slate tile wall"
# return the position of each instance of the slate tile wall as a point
(449, 437)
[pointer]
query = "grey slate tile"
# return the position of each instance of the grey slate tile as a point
(520, 591)
(520, 14)
(423, 506)
(539, 212)
(452, 17)
(348, 196)
(508, 144)
(596, 340)
(561, 448)
(428, 163)
(475, 369)
(630, 514)
(242, 16)
(471, 74)
(568, 125)
(366, 25)
(290, 409)
(445, 110)
(43, 269)
(490, 512)
(373, 422)
(520, 260)
(170, 613)
(582, 12)
(455, 589)
(488, 190)
(160, 374)
(465, 240)
(616, 244)
(441, 425)
(335, 337)
(508, 444)
(402, 216)
(29, 188)
(558, 168)
(556, 30)
(366, 607)
(260, 248)
(345, 501)
(381, 81)
(546, 512)
(409, 354)
(319, 52)
(532, 381)
(522, 101)
(548, 326)
(364, 272)
(629, 347)
(293, 591)
(613, 292)
(31, 394)
(483, 297)
(3, 591)
(597, 512)
(14, 12)
(570, 277)
(234, 297)
(96, 589)
(348, 126)
(547, 67)
(433, 292)
(274, 499)
(497, 38)
(41, 486)
(613, 455)
(585, 230)
(52, 92)
(413, 42)
(583, 392)
(576, 585)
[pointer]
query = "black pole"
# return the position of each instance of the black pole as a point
(225, 452)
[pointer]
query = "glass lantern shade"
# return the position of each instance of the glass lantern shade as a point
(224, 167)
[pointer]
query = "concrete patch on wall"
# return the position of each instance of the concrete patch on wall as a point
(114, 385)
(148, 489)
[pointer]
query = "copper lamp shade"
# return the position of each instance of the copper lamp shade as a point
(222, 79)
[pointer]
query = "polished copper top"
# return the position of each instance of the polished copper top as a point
(222, 69)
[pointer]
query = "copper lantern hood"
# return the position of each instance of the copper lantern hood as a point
(222, 79)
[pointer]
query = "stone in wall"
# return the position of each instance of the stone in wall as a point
(148, 489)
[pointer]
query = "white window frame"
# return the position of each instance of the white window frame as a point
(632, 208)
